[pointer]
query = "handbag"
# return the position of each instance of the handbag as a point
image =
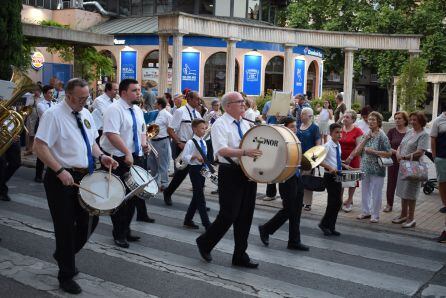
(314, 183)
(413, 170)
(385, 162)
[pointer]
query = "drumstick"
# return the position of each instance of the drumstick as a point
(87, 190)
(109, 179)
(258, 146)
(138, 174)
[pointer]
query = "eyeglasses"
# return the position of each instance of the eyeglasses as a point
(241, 101)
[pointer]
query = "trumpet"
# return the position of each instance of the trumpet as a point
(152, 131)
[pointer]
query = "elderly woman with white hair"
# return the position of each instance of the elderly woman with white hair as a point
(214, 113)
(309, 136)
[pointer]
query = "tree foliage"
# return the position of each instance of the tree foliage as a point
(411, 86)
(11, 43)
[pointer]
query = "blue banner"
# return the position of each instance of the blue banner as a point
(128, 65)
(252, 74)
(190, 71)
(299, 76)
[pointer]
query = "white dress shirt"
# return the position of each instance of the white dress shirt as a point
(190, 150)
(118, 120)
(101, 103)
(59, 130)
(250, 114)
(33, 101)
(42, 106)
(225, 134)
(163, 119)
(364, 126)
(331, 158)
(181, 122)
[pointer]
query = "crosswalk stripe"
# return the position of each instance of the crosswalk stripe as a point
(42, 276)
(220, 276)
(346, 248)
(434, 291)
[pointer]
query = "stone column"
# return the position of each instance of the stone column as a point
(163, 63)
(176, 63)
(348, 76)
(394, 99)
(230, 64)
(288, 68)
(435, 103)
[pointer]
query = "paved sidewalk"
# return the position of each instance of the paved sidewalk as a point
(429, 220)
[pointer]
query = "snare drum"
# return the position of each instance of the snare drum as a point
(348, 176)
(281, 153)
(98, 182)
(136, 177)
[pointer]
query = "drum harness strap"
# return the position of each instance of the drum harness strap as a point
(206, 161)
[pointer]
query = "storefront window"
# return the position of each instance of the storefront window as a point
(274, 74)
(136, 8)
(223, 8)
(206, 7)
(253, 9)
(163, 6)
(111, 77)
(148, 7)
(215, 75)
(187, 6)
(124, 7)
(150, 69)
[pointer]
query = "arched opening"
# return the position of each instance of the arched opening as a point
(215, 75)
(150, 69)
(274, 74)
(112, 77)
(312, 80)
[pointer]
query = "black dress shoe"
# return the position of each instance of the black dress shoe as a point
(298, 246)
(335, 233)
(70, 286)
(38, 180)
(443, 210)
(167, 199)
(264, 236)
(246, 264)
(5, 197)
(190, 225)
(204, 254)
(146, 219)
(131, 238)
(122, 243)
(326, 231)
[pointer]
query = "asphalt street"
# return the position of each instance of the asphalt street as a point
(165, 263)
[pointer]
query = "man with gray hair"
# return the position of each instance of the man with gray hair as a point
(300, 103)
(237, 194)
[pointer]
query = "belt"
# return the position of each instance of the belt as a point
(159, 139)
(82, 171)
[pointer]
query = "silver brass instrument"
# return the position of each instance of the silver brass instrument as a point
(12, 122)
(180, 164)
(207, 174)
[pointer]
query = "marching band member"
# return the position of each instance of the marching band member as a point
(237, 194)
(292, 194)
(42, 106)
(124, 136)
(65, 143)
(194, 159)
(102, 102)
(333, 166)
(180, 130)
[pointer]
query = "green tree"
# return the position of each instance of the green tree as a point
(411, 86)
(11, 43)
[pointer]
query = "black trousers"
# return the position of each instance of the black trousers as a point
(334, 202)
(236, 197)
(198, 200)
(271, 190)
(178, 176)
(122, 218)
(292, 194)
(39, 168)
(70, 221)
(10, 161)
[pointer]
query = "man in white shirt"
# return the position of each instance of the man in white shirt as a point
(161, 143)
(59, 92)
(124, 137)
(102, 102)
(65, 143)
(333, 166)
(42, 107)
(237, 194)
(180, 130)
(177, 101)
(363, 123)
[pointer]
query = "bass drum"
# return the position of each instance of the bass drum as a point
(281, 153)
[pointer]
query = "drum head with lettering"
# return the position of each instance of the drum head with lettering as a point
(98, 183)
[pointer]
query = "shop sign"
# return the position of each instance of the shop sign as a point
(190, 71)
(313, 52)
(37, 60)
(128, 65)
(152, 74)
(252, 74)
(299, 76)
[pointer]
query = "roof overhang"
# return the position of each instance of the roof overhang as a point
(66, 35)
(183, 23)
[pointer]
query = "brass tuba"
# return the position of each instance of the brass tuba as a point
(152, 131)
(12, 122)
